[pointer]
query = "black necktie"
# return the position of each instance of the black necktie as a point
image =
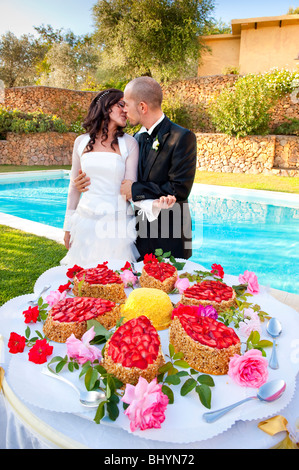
(145, 144)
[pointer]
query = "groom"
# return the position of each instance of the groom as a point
(167, 165)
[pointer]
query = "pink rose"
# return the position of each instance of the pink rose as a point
(81, 350)
(147, 404)
(182, 284)
(249, 370)
(54, 297)
(250, 279)
(251, 323)
(128, 277)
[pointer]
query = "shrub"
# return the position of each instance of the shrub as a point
(288, 128)
(244, 108)
(20, 122)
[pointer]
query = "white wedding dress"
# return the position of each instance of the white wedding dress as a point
(101, 222)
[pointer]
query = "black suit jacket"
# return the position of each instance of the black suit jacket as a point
(168, 170)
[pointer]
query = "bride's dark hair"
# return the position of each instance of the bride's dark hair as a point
(99, 115)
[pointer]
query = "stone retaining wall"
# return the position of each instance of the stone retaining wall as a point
(64, 103)
(47, 149)
(215, 152)
(266, 155)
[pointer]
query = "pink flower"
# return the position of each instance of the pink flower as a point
(147, 404)
(128, 278)
(250, 279)
(54, 297)
(249, 370)
(81, 350)
(251, 323)
(182, 284)
(210, 311)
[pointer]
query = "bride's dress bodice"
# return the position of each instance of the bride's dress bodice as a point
(106, 171)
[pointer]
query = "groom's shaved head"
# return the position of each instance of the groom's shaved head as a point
(146, 89)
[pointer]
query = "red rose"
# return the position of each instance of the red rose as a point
(217, 270)
(127, 266)
(150, 258)
(71, 272)
(16, 343)
(39, 352)
(64, 287)
(31, 315)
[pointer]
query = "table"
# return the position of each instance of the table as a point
(24, 425)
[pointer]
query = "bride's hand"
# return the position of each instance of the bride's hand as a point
(67, 237)
(165, 202)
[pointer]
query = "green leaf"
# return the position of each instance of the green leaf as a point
(206, 380)
(180, 363)
(264, 343)
(204, 394)
(167, 391)
(173, 379)
(179, 265)
(112, 409)
(100, 413)
(178, 355)
(27, 332)
(60, 366)
(188, 386)
(171, 350)
(91, 377)
(165, 368)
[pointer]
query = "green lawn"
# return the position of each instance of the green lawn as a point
(23, 258)
(9, 168)
(239, 180)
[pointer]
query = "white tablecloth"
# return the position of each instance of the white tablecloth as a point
(25, 426)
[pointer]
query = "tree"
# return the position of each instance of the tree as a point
(160, 38)
(293, 11)
(217, 27)
(70, 61)
(19, 58)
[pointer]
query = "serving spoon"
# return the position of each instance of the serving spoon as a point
(34, 301)
(90, 399)
(268, 392)
(274, 329)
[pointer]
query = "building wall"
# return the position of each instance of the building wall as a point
(224, 52)
(256, 45)
(268, 46)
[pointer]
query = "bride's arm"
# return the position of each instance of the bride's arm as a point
(73, 193)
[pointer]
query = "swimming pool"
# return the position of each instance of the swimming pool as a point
(239, 229)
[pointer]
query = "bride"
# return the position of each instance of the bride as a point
(100, 224)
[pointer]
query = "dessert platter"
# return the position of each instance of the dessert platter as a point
(151, 324)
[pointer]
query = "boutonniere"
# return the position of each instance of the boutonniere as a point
(156, 144)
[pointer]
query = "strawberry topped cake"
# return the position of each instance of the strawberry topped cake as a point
(99, 282)
(209, 292)
(134, 350)
(207, 344)
(71, 314)
(159, 275)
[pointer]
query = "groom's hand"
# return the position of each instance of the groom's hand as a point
(82, 182)
(126, 189)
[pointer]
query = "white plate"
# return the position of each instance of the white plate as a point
(183, 423)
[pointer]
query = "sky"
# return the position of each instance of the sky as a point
(19, 16)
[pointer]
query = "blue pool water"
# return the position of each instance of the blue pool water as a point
(233, 229)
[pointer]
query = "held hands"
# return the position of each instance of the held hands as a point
(82, 182)
(165, 202)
